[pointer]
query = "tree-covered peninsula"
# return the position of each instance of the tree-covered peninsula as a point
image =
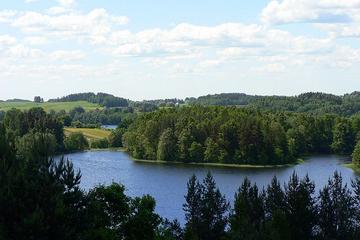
(232, 135)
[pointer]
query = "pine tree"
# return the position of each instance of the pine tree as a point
(300, 207)
(276, 224)
(192, 209)
(337, 208)
(247, 221)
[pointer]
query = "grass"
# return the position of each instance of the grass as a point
(47, 106)
(353, 167)
(90, 133)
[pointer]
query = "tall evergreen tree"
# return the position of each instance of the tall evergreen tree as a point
(248, 220)
(300, 208)
(336, 210)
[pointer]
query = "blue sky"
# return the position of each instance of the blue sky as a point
(167, 48)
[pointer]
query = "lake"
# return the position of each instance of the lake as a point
(167, 182)
(109, 127)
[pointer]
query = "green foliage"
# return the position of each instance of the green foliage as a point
(167, 146)
(312, 102)
(115, 138)
(76, 141)
(234, 135)
(337, 208)
(104, 99)
(248, 219)
(205, 210)
(100, 143)
(343, 141)
(356, 155)
(36, 145)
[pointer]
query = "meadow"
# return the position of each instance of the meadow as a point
(90, 133)
(47, 106)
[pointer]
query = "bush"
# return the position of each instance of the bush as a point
(76, 141)
(100, 143)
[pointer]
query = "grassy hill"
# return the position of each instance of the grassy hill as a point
(89, 133)
(47, 106)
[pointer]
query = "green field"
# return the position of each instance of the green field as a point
(90, 133)
(47, 106)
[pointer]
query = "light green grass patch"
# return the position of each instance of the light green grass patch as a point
(90, 133)
(353, 167)
(47, 106)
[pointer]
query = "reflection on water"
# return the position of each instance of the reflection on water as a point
(167, 182)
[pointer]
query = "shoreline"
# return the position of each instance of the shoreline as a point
(353, 167)
(219, 165)
(224, 165)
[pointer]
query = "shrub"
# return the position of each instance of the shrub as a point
(76, 141)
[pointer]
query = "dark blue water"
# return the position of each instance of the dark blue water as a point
(167, 183)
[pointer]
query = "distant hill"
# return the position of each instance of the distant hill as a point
(17, 100)
(103, 99)
(313, 102)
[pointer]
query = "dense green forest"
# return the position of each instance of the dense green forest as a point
(237, 135)
(312, 102)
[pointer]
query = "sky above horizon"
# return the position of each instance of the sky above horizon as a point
(155, 49)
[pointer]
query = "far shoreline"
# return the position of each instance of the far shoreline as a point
(223, 165)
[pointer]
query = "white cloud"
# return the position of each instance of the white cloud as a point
(6, 16)
(271, 68)
(6, 40)
(57, 10)
(37, 40)
(22, 52)
(66, 3)
(65, 25)
(325, 11)
(62, 55)
(31, 1)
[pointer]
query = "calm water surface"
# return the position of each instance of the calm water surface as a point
(167, 183)
(110, 127)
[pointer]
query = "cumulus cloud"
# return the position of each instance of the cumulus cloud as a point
(62, 35)
(63, 55)
(37, 40)
(60, 23)
(320, 11)
(66, 3)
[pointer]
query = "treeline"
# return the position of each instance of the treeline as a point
(312, 102)
(239, 136)
(99, 116)
(292, 211)
(103, 99)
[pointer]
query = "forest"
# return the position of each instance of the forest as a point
(311, 102)
(238, 136)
